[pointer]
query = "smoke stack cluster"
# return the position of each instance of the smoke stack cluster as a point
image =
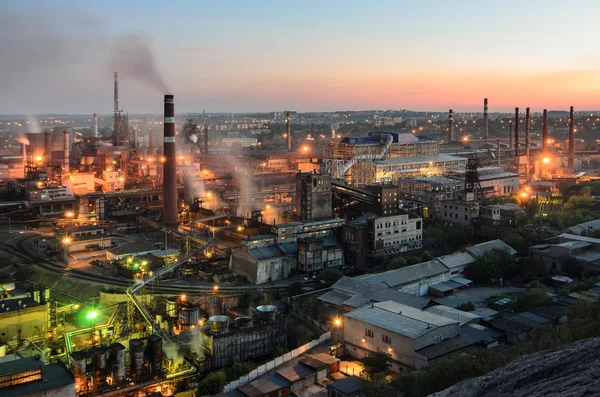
(571, 164)
(95, 125)
(66, 151)
(288, 132)
(516, 132)
(170, 166)
(450, 125)
(545, 131)
(485, 118)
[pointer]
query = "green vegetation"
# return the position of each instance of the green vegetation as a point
(466, 307)
(377, 363)
(214, 382)
(491, 265)
(330, 275)
(294, 289)
(401, 261)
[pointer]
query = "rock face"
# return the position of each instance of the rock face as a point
(573, 370)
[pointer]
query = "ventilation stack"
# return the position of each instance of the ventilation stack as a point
(571, 164)
(498, 152)
(66, 151)
(150, 140)
(527, 120)
(24, 155)
(288, 131)
(510, 134)
(485, 118)
(169, 166)
(545, 132)
(450, 125)
(95, 129)
(205, 138)
(517, 132)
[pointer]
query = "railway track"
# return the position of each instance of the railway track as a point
(21, 251)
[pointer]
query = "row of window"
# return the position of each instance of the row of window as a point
(384, 338)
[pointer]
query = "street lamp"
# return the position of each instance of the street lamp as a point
(66, 241)
(70, 215)
(92, 317)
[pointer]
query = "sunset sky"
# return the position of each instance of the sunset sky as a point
(245, 56)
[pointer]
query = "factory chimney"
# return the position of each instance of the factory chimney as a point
(24, 155)
(169, 166)
(205, 138)
(150, 140)
(571, 164)
(527, 120)
(47, 146)
(66, 151)
(450, 125)
(498, 152)
(485, 118)
(95, 131)
(288, 131)
(517, 132)
(510, 134)
(545, 131)
(116, 114)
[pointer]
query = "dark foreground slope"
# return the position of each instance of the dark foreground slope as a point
(573, 370)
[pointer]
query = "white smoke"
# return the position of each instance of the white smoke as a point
(33, 125)
(247, 186)
(194, 138)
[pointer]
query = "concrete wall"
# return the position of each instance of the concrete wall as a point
(242, 263)
(413, 288)
(31, 321)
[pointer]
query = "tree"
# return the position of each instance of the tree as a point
(413, 260)
(294, 289)
(492, 264)
(426, 256)
(212, 384)
(377, 363)
(377, 387)
(396, 263)
(330, 275)
(238, 369)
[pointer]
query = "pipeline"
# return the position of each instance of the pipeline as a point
(386, 142)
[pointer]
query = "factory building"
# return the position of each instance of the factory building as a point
(31, 377)
(313, 196)
(22, 318)
(461, 212)
(395, 169)
(494, 181)
(398, 329)
(430, 191)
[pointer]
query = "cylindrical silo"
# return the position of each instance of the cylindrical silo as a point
(117, 359)
(155, 353)
(136, 357)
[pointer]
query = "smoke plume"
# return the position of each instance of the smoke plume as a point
(130, 55)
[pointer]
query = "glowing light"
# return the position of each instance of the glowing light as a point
(337, 322)
(546, 160)
(239, 228)
(76, 306)
(163, 159)
(121, 179)
(182, 298)
(523, 194)
(305, 148)
(465, 139)
(209, 194)
(38, 158)
(268, 206)
(69, 215)
(389, 349)
(216, 288)
(363, 340)
(91, 315)
(66, 240)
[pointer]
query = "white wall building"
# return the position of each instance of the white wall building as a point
(395, 234)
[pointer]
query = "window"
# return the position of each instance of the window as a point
(453, 333)
(438, 339)
(386, 339)
(369, 333)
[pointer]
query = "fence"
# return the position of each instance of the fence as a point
(287, 357)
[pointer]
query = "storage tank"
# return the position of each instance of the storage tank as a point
(99, 364)
(136, 357)
(243, 322)
(78, 367)
(117, 362)
(267, 313)
(2, 349)
(219, 324)
(189, 315)
(171, 307)
(155, 353)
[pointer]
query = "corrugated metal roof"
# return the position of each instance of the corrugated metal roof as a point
(462, 281)
(335, 298)
(457, 259)
(454, 314)
(407, 275)
(585, 227)
(480, 249)
(261, 254)
(366, 292)
(401, 319)
(579, 238)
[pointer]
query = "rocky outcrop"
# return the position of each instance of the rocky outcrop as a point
(573, 370)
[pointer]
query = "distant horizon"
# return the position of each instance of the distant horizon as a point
(59, 56)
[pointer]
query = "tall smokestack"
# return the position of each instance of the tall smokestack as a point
(169, 166)
(116, 104)
(66, 152)
(150, 139)
(450, 125)
(571, 165)
(510, 134)
(95, 129)
(47, 146)
(485, 118)
(545, 131)
(498, 152)
(206, 138)
(516, 132)
(116, 114)
(288, 131)
(527, 120)
(24, 155)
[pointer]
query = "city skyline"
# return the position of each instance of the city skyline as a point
(243, 58)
